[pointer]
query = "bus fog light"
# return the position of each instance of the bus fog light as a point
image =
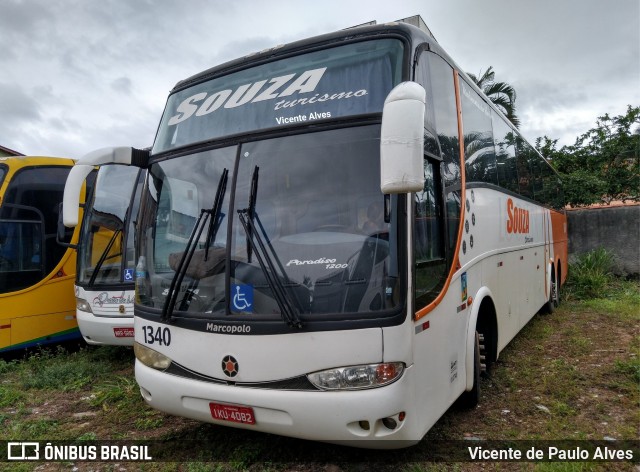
(389, 423)
(364, 425)
(151, 358)
(83, 305)
(357, 377)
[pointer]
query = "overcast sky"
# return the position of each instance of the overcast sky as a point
(77, 75)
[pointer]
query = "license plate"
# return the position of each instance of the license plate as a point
(123, 332)
(233, 413)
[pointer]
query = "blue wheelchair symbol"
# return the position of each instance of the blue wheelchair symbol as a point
(128, 275)
(242, 298)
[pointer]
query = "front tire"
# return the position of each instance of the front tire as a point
(471, 398)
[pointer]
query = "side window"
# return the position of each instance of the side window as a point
(539, 191)
(431, 145)
(504, 144)
(28, 225)
(428, 237)
(480, 158)
(438, 207)
(445, 113)
(523, 161)
(551, 186)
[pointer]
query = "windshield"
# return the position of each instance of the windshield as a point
(106, 254)
(316, 219)
(332, 83)
(3, 172)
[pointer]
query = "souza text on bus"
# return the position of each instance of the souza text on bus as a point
(304, 83)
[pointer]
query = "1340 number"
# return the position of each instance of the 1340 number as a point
(160, 336)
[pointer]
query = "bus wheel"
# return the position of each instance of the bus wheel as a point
(482, 350)
(471, 398)
(554, 297)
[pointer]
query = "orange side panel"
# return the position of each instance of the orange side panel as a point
(560, 242)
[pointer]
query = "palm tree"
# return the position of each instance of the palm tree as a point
(500, 93)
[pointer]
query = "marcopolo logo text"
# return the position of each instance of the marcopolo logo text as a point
(228, 329)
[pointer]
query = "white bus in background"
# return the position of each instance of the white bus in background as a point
(339, 236)
(105, 275)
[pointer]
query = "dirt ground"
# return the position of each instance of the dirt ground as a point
(566, 377)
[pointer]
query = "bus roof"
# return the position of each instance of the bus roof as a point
(412, 28)
(29, 161)
(401, 28)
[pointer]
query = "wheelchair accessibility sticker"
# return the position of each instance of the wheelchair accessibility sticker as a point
(242, 298)
(128, 275)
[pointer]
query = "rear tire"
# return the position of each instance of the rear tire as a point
(554, 296)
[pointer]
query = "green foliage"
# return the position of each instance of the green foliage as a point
(118, 391)
(6, 367)
(10, 396)
(630, 367)
(501, 94)
(622, 298)
(590, 274)
(38, 429)
(60, 370)
(604, 163)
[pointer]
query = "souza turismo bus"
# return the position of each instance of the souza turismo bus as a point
(106, 264)
(36, 272)
(337, 237)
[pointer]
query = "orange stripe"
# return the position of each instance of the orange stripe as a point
(456, 261)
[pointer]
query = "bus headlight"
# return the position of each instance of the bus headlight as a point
(83, 305)
(357, 376)
(151, 358)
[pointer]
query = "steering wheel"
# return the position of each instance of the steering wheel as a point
(334, 228)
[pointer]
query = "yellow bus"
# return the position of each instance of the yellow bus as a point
(37, 272)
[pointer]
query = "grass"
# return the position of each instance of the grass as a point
(570, 375)
(590, 275)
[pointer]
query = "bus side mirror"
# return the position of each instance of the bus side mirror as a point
(71, 198)
(402, 139)
(83, 167)
(117, 155)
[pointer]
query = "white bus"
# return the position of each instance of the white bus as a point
(104, 286)
(339, 235)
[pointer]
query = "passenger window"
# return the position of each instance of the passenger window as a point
(28, 226)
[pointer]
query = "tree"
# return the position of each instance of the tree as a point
(501, 94)
(604, 163)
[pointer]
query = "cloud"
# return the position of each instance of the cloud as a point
(122, 85)
(17, 105)
(78, 75)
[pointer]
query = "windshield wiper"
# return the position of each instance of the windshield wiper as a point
(247, 218)
(216, 216)
(252, 209)
(103, 257)
(198, 227)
